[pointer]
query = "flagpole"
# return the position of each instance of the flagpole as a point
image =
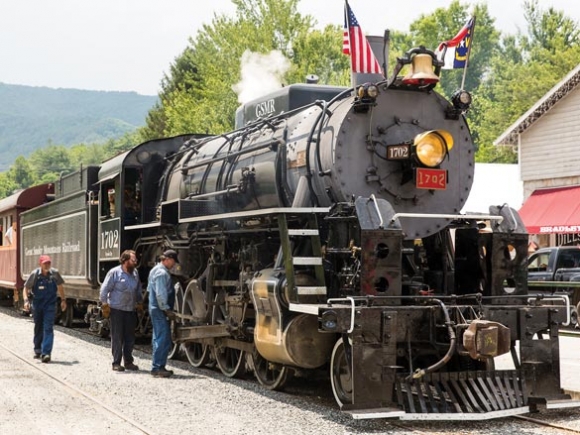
(468, 54)
(347, 22)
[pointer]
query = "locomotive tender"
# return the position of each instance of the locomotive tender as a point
(326, 232)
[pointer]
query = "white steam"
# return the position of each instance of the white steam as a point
(261, 73)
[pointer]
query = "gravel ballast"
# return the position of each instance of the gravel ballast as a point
(194, 401)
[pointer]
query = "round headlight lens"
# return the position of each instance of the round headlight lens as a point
(431, 147)
(373, 91)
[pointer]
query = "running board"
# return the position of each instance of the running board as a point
(561, 404)
(363, 414)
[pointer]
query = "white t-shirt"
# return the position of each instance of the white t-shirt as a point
(9, 235)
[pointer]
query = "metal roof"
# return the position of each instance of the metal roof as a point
(112, 167)
(544, 104)
(27, 198)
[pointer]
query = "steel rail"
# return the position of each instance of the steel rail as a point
(545, 423)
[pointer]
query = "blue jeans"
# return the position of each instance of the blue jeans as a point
(161, 341)
(44, 314)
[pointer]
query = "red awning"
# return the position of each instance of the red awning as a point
(554, 210)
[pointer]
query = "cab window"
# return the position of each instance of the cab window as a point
(539, 262)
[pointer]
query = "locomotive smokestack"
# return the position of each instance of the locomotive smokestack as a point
(312, 79)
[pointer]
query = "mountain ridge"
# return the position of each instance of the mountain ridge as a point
(32, 117)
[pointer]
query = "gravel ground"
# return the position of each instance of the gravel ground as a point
(194, 401)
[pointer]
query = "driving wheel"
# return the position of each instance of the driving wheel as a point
(174, 352)
(341, 374)
(195, 310)
(230, 361)
(271, 375)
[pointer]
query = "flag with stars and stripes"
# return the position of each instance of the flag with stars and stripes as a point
(355, 44)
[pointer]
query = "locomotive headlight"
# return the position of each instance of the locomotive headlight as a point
(367, 92)
(461, 100)
(432, 146)
(372, 91)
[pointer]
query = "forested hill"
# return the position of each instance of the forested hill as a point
(32, 117)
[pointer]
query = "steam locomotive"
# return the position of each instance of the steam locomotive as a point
(325, 231)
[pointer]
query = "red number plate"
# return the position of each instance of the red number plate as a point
(431, 178)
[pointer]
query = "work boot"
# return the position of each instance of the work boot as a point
(169, 371)
(131, 366)
(161, 373)
(118, 368)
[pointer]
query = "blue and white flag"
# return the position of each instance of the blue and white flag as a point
(455, 52)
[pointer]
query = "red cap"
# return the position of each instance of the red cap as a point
(44, 259)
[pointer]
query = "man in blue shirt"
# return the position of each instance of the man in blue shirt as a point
(44, 282)
(161, 301)
(121, 295)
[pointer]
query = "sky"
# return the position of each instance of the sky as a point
(127, 45)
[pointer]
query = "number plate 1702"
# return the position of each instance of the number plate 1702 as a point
(431, 179)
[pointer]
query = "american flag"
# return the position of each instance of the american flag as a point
(354, 42)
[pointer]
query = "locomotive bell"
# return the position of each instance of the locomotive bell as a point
(421, 72)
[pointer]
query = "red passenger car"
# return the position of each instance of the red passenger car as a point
(10, 209)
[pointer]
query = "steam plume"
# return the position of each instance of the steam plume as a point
(261, 73)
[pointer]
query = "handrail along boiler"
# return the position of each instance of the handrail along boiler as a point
(329, 232)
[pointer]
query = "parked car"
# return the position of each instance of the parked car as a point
(555, 271)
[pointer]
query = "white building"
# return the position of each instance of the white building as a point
(548, 141)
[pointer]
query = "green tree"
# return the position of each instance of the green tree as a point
(182, 77)
(549, 29)
(442, 25)
(7, 185)
(21, 175)
(526, 67)
(320, 53)
(86, 154)
(197, 95)
(50, 163)
(124, 143)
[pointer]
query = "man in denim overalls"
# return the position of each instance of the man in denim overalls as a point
(44, 282)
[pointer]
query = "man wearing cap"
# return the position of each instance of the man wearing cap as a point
(44, 282)
(161, 301)
(121, 296)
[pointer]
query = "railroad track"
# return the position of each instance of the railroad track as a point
(544, 423)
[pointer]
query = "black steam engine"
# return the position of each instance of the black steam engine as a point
(329, 231)
(326, 231)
